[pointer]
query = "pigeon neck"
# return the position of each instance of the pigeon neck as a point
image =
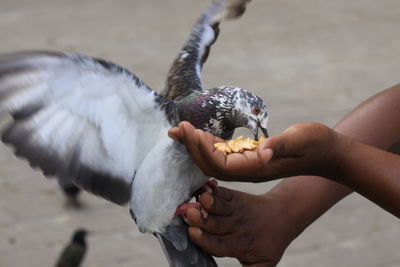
(169, 108)
(208, 111)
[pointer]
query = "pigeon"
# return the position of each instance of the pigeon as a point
(96, 125)
(71, 193)
(74, 253)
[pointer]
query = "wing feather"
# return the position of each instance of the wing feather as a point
(184, 76)
(78, 118)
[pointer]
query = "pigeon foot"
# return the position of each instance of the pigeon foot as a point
(210, 187)
(213, 184)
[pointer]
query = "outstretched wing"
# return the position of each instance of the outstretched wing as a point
(78, 118)
(184, 76)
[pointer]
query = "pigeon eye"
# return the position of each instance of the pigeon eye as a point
(256, 110)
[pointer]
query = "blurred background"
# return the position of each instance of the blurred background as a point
(311, 60)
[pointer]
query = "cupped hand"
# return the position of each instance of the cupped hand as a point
(253, 229)
(304, 148)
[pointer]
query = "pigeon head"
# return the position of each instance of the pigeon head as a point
(221, 110)
(249, 111)
(79, 236)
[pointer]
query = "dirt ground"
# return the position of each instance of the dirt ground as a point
(310, 60)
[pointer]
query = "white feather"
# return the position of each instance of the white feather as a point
(101, 113)
(157, 192)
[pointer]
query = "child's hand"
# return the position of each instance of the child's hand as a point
(306, 148)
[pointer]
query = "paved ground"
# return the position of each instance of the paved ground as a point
(310, 60)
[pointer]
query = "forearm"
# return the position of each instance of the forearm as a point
(371, 172)
(308, 197)
(376, 123)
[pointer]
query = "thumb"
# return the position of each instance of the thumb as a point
(273, 147)
(285, 144)
(175, 134)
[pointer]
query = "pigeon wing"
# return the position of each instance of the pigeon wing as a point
(184, 76)
(78, 118)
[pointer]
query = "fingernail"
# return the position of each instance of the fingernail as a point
(267, 154)
(197, 231)
(212, 201)
(209, 189)
(204, 213)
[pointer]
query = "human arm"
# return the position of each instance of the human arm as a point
(297, 201)
(306, 149)
(372, 172)
(375, 122)
(255, 229)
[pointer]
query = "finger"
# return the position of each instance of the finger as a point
(224, 193)
(175, 134)
(210, 187)
(214, 159)
(274, 146)
(213, 244)
(205, 188)
(191, 139)
(216, 205)
(290, 142)
(234, 166)
(206, 146)
(210, 223)
(265, 153)
(242, 166)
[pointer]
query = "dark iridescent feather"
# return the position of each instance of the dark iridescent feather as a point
(184, 76)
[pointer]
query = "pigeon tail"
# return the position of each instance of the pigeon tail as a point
(179, 250)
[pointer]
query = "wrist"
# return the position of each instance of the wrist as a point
(339, 149)
(303, 199)
(294, 213)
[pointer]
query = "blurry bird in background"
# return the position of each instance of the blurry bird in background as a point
(74, 253)
(71, 193)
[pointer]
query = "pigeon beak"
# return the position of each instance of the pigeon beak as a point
(264, 131)
(255, 132)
